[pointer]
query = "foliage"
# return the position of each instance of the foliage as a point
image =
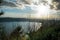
(1, 1)
(51, 32)
(15, 35)
(1, 13)
(2, 33)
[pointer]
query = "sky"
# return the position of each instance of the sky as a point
(41, 9)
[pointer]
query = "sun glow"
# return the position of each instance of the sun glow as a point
(42, 10)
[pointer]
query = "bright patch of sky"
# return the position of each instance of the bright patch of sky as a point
(16, 10)
(11, 0)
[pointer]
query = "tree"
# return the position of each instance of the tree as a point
(1, 13)
(15, 34)
(1, 1)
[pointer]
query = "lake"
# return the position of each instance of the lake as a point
(10, 26)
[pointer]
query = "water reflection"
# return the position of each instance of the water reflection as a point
(26, 26)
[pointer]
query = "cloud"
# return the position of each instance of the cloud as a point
(10, 4)
(58, 4)
(55, 4)
(56, 0)
(27, 1)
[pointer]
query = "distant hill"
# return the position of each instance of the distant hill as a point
(8, 19)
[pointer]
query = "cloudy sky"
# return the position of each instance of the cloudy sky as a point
(41, 9)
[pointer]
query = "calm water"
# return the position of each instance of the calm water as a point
(10, 26)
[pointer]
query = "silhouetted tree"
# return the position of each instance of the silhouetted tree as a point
(16, 33)
(1, 1)
(1, 13)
